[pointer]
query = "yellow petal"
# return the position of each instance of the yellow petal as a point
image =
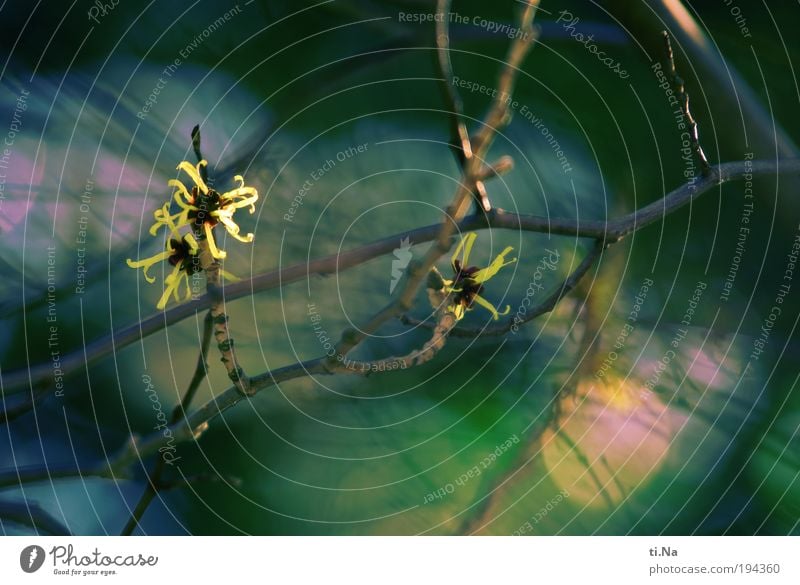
(171, 284)
(193, 247)
(490, 307)
(182, 196)
(212, 245)
(172, 222)
(486, 273)
(148, 262)
(240, 197)
(464, 245)
(194, 173)
(232, 227)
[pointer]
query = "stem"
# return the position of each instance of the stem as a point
(200, 370)
(154, 483)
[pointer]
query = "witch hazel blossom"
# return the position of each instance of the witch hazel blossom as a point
(200, 210)
(466, 286)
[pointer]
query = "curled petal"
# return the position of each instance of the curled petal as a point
(172, 222)
(490, 307)
(148, 262)
(182, 195)
(465, 246)
(212, 245)
(194, 173)
(486, 273)
(231, 226)
(241, 196)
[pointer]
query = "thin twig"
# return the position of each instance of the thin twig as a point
(445, 321)
(683, 100)
(498, 115)
(459, 135)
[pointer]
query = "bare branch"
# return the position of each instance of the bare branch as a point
(611, 232)
(445, 322)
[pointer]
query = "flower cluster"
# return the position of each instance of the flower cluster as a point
(466, 286)
(201, 208)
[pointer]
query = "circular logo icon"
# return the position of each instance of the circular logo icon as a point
(31, 558)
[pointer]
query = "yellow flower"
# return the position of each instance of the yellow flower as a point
(467, 283)
(182, 254)
(203, 207)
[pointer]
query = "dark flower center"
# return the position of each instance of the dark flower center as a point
(463, 280)
(182, 256)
